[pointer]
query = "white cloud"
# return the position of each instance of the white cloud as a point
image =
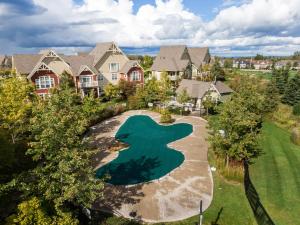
(257, 25)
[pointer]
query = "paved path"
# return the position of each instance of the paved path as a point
(173, 197)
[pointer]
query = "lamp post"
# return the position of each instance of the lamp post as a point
(200, 216)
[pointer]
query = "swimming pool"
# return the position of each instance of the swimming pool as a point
(147, 157)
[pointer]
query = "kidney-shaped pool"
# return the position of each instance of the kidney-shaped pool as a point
(148, 157)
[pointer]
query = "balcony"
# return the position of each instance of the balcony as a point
(92, 84)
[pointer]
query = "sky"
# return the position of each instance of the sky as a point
(227, 27)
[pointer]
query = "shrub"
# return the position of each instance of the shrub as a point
(296, 109)
(295, 137)
(166, 116)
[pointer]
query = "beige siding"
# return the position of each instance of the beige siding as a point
(57, 65)
(103, 67)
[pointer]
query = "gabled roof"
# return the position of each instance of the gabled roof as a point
(194, 88)
(77, 61)
(170, 58)
(198, 55)
(128, 65)
(222, 88)
(101, 48)
(25, 63)
(198, 89)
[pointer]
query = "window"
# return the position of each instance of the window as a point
(44, 82)
(85, 79)
(100, 77)
(114, 76)
(114, 67)
(135, 75)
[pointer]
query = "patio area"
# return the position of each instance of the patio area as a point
(175, 196)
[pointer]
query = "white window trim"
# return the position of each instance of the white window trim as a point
(86, 76)
(116, 70)
(135, 76)
(114, 76)
(39, 84)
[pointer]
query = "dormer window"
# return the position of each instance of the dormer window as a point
(114, 67)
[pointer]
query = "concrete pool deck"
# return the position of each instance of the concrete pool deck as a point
(173, 197)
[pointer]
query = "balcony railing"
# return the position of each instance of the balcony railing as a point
(174, 77)
(88, 84)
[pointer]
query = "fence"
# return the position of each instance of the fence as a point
(260, 213)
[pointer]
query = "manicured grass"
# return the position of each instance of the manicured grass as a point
(276, 175)
(263, 74)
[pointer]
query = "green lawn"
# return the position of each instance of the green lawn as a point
(262, 74)
(276, 175)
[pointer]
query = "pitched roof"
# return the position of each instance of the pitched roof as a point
(76, 62)
(197, 89)
(194, 88)
(128, 65)
(198, 55)
(24, 63)
(222, 88)
(169, 58)
(99, 51)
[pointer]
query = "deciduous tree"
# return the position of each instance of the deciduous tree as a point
(16, 96)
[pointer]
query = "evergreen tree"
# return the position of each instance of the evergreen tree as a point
(272, 98)
(292, 93)
(280, 77)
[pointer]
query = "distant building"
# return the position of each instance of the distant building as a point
(5, 62)
(105, 64)
(241, 64)
(262, 64)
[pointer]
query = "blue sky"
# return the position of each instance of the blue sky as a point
(227, 27)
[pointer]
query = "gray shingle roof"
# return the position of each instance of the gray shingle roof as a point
(170, 58)
(128, 65)
(222, 88)
(197, 89)
(24, 63)
(198, 55)
(99, 51)
(194, 88)
(77, 61)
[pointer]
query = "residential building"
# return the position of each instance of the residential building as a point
(105, 64)
(180, 61)
(241, 64)
(199, 90)
(262, 64)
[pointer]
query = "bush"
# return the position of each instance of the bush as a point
(166, 116)
(296, 109)
(284, 118)
(295, 137)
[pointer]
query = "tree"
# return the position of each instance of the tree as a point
(217, 72)
(165, 88)
(280, 77)
(292, 92)
(112, 91)
(208, 104)
(259, 57)
(183, 97)
(228, 63)
(16, 97)
(296, 55)
(32, 212)
(64, 174)
(240, 118)
(126, 88)
(147, 62)
(272, 98)
(66, 81)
